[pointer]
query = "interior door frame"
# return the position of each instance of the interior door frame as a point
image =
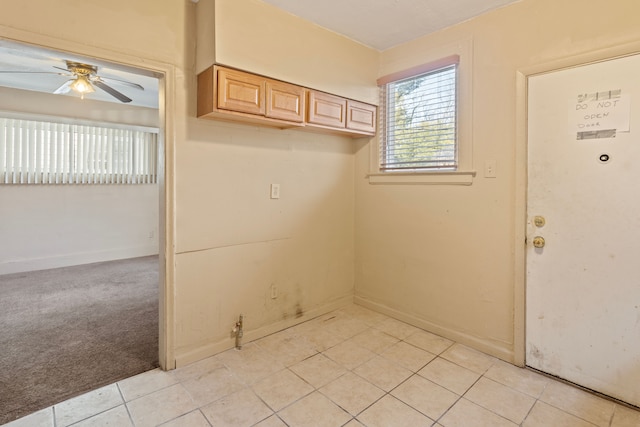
(167, 107)
(521, 169)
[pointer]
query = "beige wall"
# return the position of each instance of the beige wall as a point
(445, 257)
(233, 241)
(229, 242)
(258, 37)
(150, 29)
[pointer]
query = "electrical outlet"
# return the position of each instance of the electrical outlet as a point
(275, 191)
(274, 292)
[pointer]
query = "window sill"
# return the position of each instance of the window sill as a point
(424, 178)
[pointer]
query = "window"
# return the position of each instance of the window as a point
(419, 119)
(48, 152)
(425, 119)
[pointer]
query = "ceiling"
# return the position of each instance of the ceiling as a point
(382, 24)
(379, 24)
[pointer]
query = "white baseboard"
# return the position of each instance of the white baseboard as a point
(479, 344)
(208, 350)
(33, 264)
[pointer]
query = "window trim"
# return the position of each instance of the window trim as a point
(419, 69)
(461, 52)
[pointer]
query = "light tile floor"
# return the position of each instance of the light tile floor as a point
(352, 367)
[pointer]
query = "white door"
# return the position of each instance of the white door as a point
(583, 285)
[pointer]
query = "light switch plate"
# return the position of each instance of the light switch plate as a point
(275, 191)
(490, 168)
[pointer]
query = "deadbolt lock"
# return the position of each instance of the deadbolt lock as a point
(538, 242)
(539, 221)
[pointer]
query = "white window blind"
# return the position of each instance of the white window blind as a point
(40, 152)
(418, 121)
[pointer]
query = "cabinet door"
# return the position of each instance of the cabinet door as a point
(242, 92)
(327, 110)
(361, 116)
(285, 101)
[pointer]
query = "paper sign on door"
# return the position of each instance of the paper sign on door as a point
(599, 114)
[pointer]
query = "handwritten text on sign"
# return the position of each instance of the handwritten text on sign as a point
(600, 111)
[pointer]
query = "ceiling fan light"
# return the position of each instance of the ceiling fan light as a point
(82, 85)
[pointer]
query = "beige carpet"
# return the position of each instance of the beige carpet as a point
(69, 330)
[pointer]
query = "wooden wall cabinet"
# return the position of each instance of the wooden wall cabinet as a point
(230, 94)
(285, 101)
(240, 92)
(361, 117)
(336, 113)
(327, 110)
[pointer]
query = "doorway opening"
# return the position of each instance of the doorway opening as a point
(109, 290)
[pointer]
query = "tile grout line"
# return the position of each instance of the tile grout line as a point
(567, 412)
(535, 403)
(265, 403)
(353, 417)
(203, 416)
(388, 393)
(438, 356)
(460, 397)
(124, 403)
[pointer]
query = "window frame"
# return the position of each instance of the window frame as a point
(459, 53)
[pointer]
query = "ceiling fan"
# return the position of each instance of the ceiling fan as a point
(83, 79)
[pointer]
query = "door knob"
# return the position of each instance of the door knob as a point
(538, 242)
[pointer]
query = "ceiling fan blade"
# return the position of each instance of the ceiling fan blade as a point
(124, 82)
(111, 91)
(65, 88)
(60, 68)
(37, 72)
